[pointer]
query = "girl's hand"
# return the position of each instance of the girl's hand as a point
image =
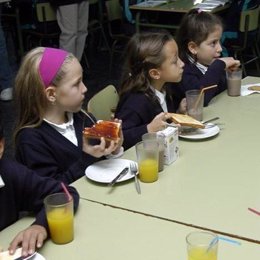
(158, 123)
(102, 149)
(183, 107)
(231, 63)
(30, 239)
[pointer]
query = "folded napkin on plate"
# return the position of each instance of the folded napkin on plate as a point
(245, 91)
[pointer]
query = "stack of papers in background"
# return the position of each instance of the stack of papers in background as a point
(152, 3)
(208, 5)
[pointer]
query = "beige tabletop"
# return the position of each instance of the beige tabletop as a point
(213, 182)
(176, 6)
(102, 232)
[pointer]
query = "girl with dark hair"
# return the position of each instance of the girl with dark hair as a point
(152, 60)
(198, 39)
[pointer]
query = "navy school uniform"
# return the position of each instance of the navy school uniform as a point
(137, 110)
(24, 190)
(193, 78)
(50, 154)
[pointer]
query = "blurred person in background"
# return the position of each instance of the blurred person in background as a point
(5, 68)
(72, 17)
(231, 34)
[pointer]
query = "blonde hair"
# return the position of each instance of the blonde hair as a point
(29, 91)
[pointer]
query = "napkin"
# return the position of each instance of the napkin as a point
(2, 184)
(245, 91)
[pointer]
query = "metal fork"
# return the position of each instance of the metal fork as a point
(134, 170)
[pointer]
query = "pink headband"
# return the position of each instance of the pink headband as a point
(51, 62)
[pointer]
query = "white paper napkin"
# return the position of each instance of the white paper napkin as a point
(2, 184)
(245, 91)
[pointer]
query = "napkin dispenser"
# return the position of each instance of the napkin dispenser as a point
(171, 144)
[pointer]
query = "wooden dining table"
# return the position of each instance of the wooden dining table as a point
(104, 232)
(170, 9)
(213, 182)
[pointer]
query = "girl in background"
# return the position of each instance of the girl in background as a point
(152, 60)
(198, 39)
(49, 93)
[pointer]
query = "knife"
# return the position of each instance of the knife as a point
(119, 176)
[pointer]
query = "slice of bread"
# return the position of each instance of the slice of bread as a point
(255, 88)
(185, 120)
(107, 129)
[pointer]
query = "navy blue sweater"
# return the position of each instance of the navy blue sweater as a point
(137, 110)
(193, 78)
(25, 191)
(47, 152)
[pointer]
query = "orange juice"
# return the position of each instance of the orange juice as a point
(60, 221)
(148, 170)
(201, 253)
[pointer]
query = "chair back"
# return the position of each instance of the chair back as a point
(45, 12)
(127, 13)
(103, 104)
(249, 20)
(114, 10)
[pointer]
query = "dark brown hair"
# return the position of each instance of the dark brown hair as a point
(143, 53)
(195, 26)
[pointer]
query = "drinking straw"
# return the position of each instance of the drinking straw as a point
(228, 240)
(212, 243)
(86, 114)
(201, 93)
(254, 211)
(66, 191)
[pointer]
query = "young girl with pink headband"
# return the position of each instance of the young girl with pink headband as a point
(49, 93)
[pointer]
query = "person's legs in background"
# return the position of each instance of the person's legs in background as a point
(6, 76)
(73, 22)
(83, 15)
(67, 17)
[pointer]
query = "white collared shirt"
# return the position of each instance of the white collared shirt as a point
(162, 99)
(2, 184)
(201, 67)
(66, 129)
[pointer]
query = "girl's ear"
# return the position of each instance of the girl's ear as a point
(2, 147)
(154, 74)
(51, 93)
(192, 46)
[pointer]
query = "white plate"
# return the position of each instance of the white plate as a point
(5, 255)
(245, 91)
(105, 171)
(201, 133)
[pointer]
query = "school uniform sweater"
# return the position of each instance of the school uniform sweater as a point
(50, 154)
(137, 110)
(193, 78)
(24, 190)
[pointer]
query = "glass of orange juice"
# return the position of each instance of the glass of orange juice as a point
(202, 245)
(147, 157)
(60, 216)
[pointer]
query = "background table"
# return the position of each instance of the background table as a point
(172, 9)
(213, 182)
(102, 232)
